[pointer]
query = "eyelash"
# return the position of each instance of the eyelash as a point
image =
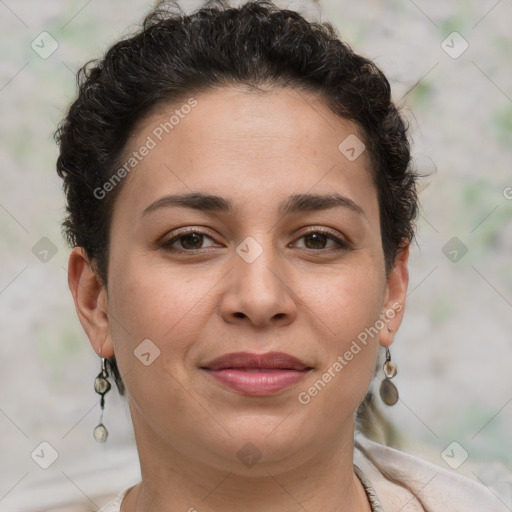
(341, 245)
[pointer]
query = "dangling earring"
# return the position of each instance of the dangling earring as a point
(101, 386)
(388, 391)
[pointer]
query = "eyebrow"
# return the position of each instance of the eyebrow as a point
(294, 204)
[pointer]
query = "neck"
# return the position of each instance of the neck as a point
(173, 481)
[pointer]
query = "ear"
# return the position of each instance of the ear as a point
(90, 297)
(396, 292)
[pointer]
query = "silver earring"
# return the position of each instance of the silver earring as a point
(388, 391)
(101, 386)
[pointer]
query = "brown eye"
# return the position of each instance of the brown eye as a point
(317, 240)
(189, 242)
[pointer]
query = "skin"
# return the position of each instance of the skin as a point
(298, 296)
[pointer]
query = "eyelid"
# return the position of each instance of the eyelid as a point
(333, 235)
(166, 242)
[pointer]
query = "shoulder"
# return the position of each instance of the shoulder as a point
(403, 481)
(115, 504)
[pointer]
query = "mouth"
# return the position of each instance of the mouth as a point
(258, 370)
(248, 361)
(257, 374)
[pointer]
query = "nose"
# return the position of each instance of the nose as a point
(259, 292)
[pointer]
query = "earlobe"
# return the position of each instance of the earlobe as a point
(396, 292)
(90, 297)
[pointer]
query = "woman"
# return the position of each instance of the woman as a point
(240, 206)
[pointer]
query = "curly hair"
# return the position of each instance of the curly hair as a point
(174, 55)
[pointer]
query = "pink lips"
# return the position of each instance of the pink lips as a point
(257, 374)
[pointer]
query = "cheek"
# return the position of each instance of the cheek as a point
(154, 302)
(347, 300)
(168, 308)
(348, 308)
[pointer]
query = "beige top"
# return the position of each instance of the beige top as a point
(397, 482)
(407, 483)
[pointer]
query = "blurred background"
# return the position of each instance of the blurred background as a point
(449, 63)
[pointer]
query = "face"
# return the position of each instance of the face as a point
(286, 257)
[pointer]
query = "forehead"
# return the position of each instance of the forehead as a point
(248, 146)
